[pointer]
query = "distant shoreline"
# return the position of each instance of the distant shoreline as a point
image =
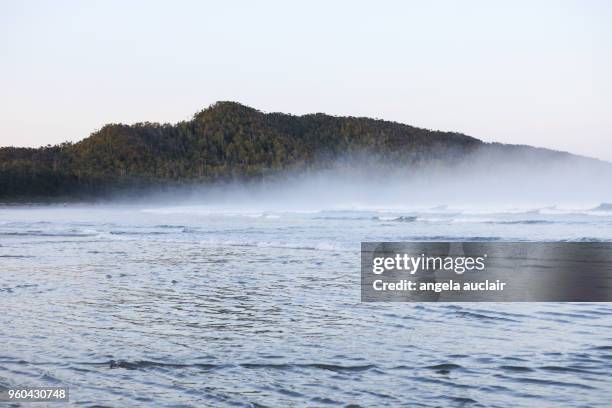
(230, 142)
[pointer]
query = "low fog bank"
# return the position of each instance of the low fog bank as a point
(492, 176)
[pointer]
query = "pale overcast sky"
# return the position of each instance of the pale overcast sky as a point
(529, 72)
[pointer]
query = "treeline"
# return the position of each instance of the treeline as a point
(227, 141)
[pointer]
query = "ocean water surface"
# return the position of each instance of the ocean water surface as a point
(153, 305)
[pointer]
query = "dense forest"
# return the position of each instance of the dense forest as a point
(227, 141)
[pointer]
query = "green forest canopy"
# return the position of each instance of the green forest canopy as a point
(226, 141)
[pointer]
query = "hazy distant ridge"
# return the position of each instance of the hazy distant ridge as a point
(227, 141)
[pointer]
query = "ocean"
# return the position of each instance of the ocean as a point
(209, 305)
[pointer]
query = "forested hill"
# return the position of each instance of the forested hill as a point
(226, 141)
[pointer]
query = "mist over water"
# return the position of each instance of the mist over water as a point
(247, 294)
(486, 179)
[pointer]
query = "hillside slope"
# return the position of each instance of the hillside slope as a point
(227, 141)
